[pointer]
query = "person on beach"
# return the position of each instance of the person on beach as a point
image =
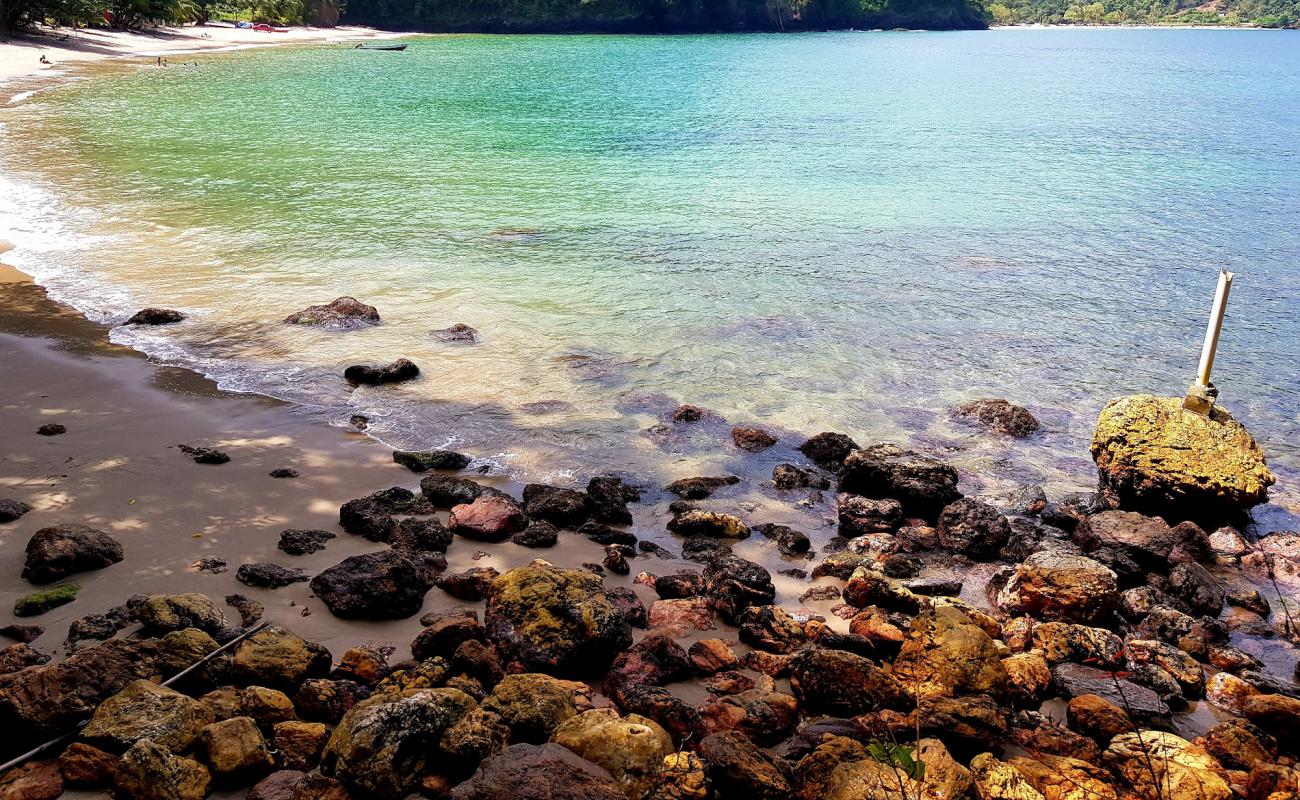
(44, 60)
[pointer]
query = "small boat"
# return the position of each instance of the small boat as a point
(364, 46)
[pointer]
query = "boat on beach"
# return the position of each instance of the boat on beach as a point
(364, 46)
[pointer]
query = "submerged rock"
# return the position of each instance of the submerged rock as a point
(155, 316)
(999, 416)
(1155, 456)
(62, 550)
(400, 370)
(828, 450)
(425, 460)
(789, 476)
(752, 440)
(459, 333)
(343, 313)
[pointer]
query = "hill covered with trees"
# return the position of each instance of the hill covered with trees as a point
(1260, 13)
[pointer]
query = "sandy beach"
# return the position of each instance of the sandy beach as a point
(20, 57)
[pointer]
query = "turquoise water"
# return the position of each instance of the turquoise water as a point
(847, 231)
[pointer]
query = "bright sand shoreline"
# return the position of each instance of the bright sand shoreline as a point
(20, 57)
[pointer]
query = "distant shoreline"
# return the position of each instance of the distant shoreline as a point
(20, 56)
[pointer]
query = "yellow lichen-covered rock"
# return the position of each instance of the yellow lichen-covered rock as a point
(1155, 456)
(941, 777)
(998, 780)
(1028, 677)
(149, 772)
(1163, 766)
(945, 654)
(632, 749)
(145, 710)
(682, 777)
(1064, 778)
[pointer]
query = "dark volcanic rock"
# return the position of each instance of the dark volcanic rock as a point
(788, 540)
(284, 472)
(472, 584)
(22, 633)
(343, 313)
(788, 476)
(999, 416)
(52, 429)
(679, 585)
(700, 488)
(860, 515)
(1076, 679)
(400, 370)
(839, 682)
(204, 455)
(972, 528)
(608, 498)
(603, 534)
(11, 510)
(828, 450)
(564, 508)
(548, 619)
(689, 413)
(732, 584)
(537, 534)
(446, 492)
(539, 772)
(389, 584)
(249, 610)
(425, 460)
(445, 631)
(752, 440)
(20, 656)
(268, 576)
(421, 535)
(155, 316)
(459, 333)
(1148, 540)
(1197, 588)
(923, 485)
(62, 550)
(737, 768)
(708, 523)
(368, 519)
(297, 542)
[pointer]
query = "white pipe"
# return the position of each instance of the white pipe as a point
(1212, 330)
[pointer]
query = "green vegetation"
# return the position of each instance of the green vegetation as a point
(653, 16)
(1260, 13)
(42, 601)
(130, 14)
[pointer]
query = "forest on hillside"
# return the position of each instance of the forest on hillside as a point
(1260, 13)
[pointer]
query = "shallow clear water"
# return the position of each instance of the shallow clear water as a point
(846, 231)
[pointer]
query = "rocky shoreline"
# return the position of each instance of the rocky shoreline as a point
(924, 644)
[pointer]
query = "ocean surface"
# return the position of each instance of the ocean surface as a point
(843, 231)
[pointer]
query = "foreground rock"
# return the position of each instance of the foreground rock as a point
(150, 772)
(490, 518)
(543, 618)
(1056, 586)
(389, 584)
(11, 510)
(145, 710)
(62, 550)
(631, 749)
(999, 416)
(343, 314)
(539, 772)
(1154, 456)
(384, 744)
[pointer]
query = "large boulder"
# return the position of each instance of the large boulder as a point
(973, 528)
(39, 702)
(558, 620)
(840, 682)
(490, 518)
(738, 768)
(341, 314)
(1160, 764)
(384, 744)
(545, 772)
(923, 485)
(1065, 778)
(1149, 541)
(564, 508)
(149, 771)
(1052, 585)
(145, 710)
(163, 613)
(235, 748)
(61, 550)
(1073, 680)
(278, 657)
(764, 716)
(1155, 456)
(733, 584)
(946, 654)
(632, 749)
(388, 584)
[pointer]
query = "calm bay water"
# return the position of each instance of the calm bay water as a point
(847, 231)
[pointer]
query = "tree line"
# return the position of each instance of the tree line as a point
(1259, 13)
